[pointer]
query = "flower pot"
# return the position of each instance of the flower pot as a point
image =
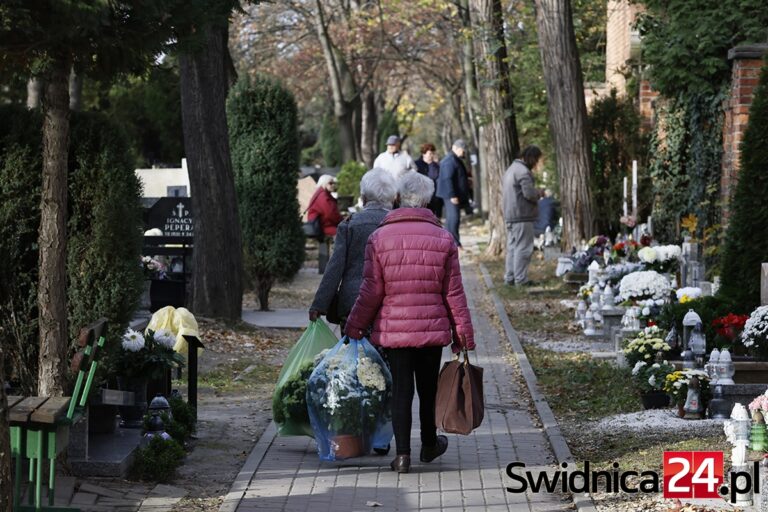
(102, 419)
(132, 416)
(654, 400)
(347, 446)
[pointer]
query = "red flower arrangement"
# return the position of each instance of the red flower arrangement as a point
(730, 325)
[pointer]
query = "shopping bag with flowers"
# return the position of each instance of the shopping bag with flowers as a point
(348, 397)
(289, 402)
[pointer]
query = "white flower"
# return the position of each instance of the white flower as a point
(644, 285)
(646, 311)
(656, 365)
(691, 291)
(165, 338)
(369, 374)
(638, 366)
(652, 380)
(133, 341)
(647, 254)
(756, 328)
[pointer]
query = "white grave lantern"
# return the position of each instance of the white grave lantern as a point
(713, 366)
(594, 271)
(589, 330)
(726, 369)
(609, 302)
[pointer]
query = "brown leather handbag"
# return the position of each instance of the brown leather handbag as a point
(459, 406)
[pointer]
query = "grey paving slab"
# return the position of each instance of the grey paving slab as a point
(284, 473)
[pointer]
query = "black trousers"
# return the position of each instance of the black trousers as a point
(424, 364)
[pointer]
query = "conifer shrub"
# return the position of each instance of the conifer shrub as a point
(264, 142)
(745, 248)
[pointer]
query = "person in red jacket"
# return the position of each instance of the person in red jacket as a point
(325, 206)
(412, 301)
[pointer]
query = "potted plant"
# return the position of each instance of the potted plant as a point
(646, 345)
(144, 358)
(348, 397)
(676, 386)
(649, 380)
(289, 406)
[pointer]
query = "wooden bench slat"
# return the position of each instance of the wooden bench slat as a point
(51, 411)
(21, 412)
(13, 400)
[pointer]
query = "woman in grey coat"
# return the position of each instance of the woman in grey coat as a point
(344, 272)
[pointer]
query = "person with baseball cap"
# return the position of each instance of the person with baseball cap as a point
(394, 160)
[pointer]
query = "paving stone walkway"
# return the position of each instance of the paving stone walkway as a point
(284, 473)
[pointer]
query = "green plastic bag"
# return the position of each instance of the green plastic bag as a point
(289, 403)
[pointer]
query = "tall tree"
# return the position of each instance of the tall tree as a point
(38, 38)
(5, 443)
(498, 132)
(567, 116)
(206, 74)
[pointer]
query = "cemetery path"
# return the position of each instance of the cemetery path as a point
(284, 473)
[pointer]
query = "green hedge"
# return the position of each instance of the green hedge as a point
(745, 247)
(263, 132)
(104, 231)
(349, 179)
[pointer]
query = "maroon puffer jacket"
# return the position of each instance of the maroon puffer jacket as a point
(324, 205)
(411, 292)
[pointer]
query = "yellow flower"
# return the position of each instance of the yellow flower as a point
(685, 298)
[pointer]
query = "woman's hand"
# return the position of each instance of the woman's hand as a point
(313, 315)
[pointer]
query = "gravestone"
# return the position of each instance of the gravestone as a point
(172, 216)
(692, 269)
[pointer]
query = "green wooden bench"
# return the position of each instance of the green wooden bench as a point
(40, 425)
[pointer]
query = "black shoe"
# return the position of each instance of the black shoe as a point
(430, 453)
(401, 464)
(528, 284)
(382, 451)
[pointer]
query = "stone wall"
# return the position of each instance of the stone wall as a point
(747, 62)
(622, 43)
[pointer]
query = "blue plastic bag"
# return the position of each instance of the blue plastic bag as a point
(348, 397)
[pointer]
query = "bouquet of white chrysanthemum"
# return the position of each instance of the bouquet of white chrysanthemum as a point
(148, 356)
(644, 285)
(662, 258)
(650, 377)
(646, 345)
(755, 334)
(348, 397)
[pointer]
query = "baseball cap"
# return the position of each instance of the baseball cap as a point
(392, 139)
(459, 143)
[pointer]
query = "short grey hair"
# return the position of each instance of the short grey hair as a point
(378, 186)
(415, 190)
(325, 179)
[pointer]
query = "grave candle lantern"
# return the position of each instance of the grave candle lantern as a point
(690, 320)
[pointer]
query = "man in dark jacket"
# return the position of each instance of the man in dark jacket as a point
(521, 199)
(453, 187)
(547, 214)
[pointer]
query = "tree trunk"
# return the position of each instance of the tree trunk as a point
(567, 117)
(217, 277)
(52, 238)
(369, 124)
(498, 145)
(342, 87)
(34, 88)
(5, 443)
(75, 90)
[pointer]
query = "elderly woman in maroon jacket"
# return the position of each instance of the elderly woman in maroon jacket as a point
(413, 302)
(325, 206)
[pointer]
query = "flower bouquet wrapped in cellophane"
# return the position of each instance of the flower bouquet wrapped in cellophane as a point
(348, 397)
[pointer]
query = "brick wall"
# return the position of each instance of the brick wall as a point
(619, 42)
(746, 64)
(647, 98)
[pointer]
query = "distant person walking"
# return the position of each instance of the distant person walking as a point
(521, 199)
(325, 206)
(412, 300)
(428, 165)
(453, 187)
(548, 214)
(394, 159)
(344, 272)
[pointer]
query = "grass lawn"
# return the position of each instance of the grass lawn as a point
(579, 387)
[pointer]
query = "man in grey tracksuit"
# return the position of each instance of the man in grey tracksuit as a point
(521, 199)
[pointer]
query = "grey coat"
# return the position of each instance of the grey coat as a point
(521, 198)
(345, 268)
